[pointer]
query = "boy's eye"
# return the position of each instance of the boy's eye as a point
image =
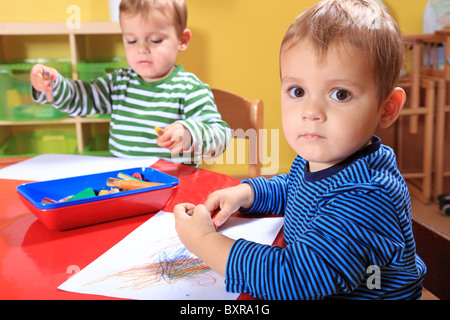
(131, 41)
(156, 41)
(296, 92)
(340, 95)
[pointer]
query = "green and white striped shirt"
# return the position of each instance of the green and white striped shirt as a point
(137, 107)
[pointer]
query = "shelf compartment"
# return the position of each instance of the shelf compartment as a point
(28, 144)
(93, 68)
(97, 146)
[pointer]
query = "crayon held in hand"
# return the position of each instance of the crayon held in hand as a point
(130, 184)
(159, 130)
(49, 93)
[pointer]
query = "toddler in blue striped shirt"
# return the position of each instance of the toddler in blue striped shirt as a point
(346, 206)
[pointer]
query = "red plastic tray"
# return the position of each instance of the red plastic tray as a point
(78, 213)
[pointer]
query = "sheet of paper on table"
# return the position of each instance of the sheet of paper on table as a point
(151, 263)
(57, 166)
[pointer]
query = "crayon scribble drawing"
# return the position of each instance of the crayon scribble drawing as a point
(152, 263)
(167, 267)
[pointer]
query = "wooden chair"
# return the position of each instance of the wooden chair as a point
(433, 247)
(420, 104)
(245, 117)
(431, 44)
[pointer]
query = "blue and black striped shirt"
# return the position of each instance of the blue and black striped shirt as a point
(347, 229)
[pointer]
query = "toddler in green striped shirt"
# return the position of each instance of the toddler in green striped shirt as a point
(152, 92)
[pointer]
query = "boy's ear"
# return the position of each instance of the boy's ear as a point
(391, 108)
(185, 39)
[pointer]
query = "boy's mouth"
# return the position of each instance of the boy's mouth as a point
(311, 136)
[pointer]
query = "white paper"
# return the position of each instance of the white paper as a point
(57, 166)
(152, 263)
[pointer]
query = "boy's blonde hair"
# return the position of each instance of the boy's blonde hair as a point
(361, 23)
(177, 8)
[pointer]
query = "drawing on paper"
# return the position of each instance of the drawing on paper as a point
(152, 263)
(168, 266)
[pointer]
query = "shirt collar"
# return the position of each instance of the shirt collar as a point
(319, 175)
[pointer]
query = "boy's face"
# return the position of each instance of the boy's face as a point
(329, 106)
(151, 45)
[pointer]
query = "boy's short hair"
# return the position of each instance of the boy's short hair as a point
(176, 7)
(361, 23)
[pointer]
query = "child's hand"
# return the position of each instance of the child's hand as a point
(174, 137)
(40, 81)
(228, 201)
(199, 236)
(193, 228)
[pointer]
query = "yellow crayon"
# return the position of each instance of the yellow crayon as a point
(103, 192)
(159, 130)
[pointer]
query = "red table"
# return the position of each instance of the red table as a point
(34, 260)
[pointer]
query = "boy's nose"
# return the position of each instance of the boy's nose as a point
(143, 47)
(313, 112)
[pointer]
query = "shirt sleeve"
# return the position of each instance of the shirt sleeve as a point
(330, 257)
(210, 134)
(79, 98)
(270, 195)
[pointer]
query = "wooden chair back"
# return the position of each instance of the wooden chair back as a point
(429, 49)
(431, 46)
(419, 112)
(243, 114)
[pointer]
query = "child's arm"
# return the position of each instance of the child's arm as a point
(174, 137)
(227, 201)
(328, 255)
(41, 81)
(202, 132)
(210, 134)
(198, 231)
(76, 98)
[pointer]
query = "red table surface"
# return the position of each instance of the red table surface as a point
(34, 260)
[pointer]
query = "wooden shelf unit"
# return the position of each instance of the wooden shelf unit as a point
(76, 41)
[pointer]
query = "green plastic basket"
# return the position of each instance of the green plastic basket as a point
(98, 146)
(16, 103)
(94, 68)
(28, 144)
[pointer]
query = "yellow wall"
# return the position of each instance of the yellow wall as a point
(51, 10)
(235, 43)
